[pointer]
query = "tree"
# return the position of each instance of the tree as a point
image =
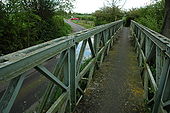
(24, 23)
(107, 14)
(166, 22)
(150, 16)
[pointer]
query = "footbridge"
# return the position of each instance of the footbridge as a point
(132, 66)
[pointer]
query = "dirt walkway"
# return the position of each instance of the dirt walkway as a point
(117, 86)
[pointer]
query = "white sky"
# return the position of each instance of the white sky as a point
(89, 6)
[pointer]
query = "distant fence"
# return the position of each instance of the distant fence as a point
(153, 51)
(68, 74)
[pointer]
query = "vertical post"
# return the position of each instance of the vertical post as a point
(159, 62)
(114, 29)
(146, 47)
(72, 76)
(139, 32)
(136, 38)
(161, 87)
(96, 43)
(136, 31)
(104, 44)
(110, 32)
(96, 47)
(145, 73)
(66, 71)
(138, 48)
(112, 38)
(108, 38)
(104, 37)
(166, 94)
(108, 48)
(141, 44)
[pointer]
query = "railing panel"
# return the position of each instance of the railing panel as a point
(154, 49)
(64, 89)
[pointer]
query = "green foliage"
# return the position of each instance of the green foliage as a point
(107, 15)
(26, 23)
(150, 16)
(61, 27)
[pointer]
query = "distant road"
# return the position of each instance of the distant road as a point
(35, 85)
(74, 26)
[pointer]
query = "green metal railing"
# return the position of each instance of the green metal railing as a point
(67, 74)
(153, 51)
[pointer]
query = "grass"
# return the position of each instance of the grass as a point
(66, 29)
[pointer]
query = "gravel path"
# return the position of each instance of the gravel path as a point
(117, 86)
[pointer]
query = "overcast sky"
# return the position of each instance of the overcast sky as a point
(89, 6)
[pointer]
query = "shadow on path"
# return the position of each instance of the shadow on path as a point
(117, 86)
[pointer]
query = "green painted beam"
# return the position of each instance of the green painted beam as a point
(50, 76)
(10, 94)
(50, 88)
(91, 47)
(15, 64)
(73, 75)
(58, 103)
(157, 47)
(19, 62)
(80, 57)
(161, 87)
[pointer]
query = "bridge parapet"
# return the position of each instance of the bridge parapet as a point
(153, 51)
(67, 73)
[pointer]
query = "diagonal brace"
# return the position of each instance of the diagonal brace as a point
(91, 47)
(11, 93)
(81, 55)
(50, 76)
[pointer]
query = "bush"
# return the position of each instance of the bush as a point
(22, 26)
(150, 16)
(107, 15)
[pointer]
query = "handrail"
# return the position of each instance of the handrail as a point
(13, 63)
(153, 51)
(13, 66)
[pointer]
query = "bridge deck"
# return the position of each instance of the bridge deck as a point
(117, 86)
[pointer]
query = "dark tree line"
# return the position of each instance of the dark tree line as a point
(24, 23)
